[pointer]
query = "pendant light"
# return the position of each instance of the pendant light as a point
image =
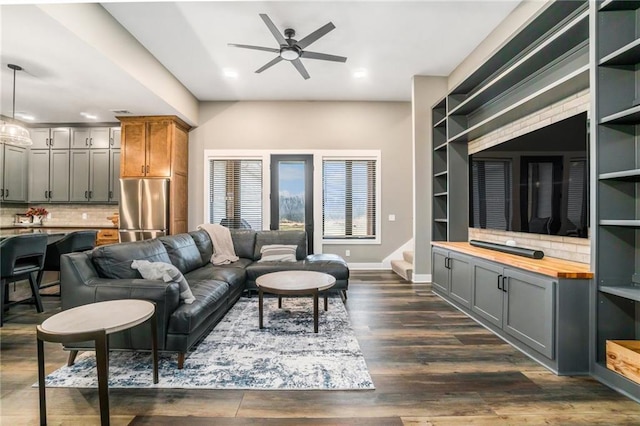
(12, 133)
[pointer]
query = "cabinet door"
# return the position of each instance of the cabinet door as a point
(114, 176)
(60, 137)
(2, 171)
(487, 295)
(99, 138)
(159, 149)
(133, 159)
(460, 279)
(440, 279)
(115, 137)
(15, 173)
(80, 137)
(59, 175)
(528, 310)
(39, 175)
(40, 138)
(79, 175)
(99, 175)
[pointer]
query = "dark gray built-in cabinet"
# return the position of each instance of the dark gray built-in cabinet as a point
(543, 316)
(49, 165)
(616, 192)
(13, 176)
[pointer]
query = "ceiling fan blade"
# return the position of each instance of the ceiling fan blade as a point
(301, 69)
(315, 35)
(274, 30)
(246, 46)
(322, 56)
(269, 64)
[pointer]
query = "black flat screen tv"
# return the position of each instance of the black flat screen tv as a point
(537, 182)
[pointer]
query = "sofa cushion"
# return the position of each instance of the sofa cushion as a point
(114, 260)
(211, 296)
(244, 241)
(182, 251)
(278, 253)
(203, 243)
(165, 272)
(297, 238)
(233, 276)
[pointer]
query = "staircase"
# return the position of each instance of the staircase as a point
(404, 267)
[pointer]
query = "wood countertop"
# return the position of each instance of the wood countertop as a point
(550, 266)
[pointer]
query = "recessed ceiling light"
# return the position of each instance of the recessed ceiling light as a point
(24, 116)
(230, 73)
(360, 73)
(89, 116)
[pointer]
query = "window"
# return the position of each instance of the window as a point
(349, 199)
(236, 193)
(491, 194)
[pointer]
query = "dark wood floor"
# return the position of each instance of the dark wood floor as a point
(431, 365)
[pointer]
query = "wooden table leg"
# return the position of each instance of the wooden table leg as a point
(41, 384)
(315, 312)
(260, 307)
(102, 363)
(326, 302)
(154, 345)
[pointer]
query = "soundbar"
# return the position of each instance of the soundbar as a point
(519, 251)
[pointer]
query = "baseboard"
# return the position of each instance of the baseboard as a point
(365, 266)
(421, 278)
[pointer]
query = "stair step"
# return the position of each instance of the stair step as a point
(402, 268)
(408, 256)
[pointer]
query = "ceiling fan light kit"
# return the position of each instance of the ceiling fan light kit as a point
(291, 49)
(11, 133)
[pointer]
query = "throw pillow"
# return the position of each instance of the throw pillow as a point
(165, 272)
(278, 253)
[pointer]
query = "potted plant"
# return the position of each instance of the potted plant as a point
(37, 214)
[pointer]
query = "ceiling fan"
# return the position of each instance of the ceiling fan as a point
(291, 49)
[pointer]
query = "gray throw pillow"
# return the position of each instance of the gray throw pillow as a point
(165, 272)
(278, 253)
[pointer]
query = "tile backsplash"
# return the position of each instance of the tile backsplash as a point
(64, 214)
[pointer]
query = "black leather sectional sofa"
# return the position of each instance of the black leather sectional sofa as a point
(105, 273)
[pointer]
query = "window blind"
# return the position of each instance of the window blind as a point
(235, 193)
(349, 199)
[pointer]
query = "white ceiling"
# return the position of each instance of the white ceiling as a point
(393, 41)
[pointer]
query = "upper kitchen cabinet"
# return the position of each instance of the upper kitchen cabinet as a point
(114, 140)
(90, 137)
(50, 138)
(153, 146)
(13, 174)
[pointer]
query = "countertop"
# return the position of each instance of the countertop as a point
(9, 231)
(550, 266)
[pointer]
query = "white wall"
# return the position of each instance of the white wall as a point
(316, 125)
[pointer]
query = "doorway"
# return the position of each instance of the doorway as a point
(292, 194)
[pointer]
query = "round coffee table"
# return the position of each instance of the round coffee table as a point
(95, 321)
(294, 283)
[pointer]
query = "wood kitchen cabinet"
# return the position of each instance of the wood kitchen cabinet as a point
(157, 147)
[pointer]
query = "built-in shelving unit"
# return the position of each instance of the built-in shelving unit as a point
(546, 61)
(616, 154)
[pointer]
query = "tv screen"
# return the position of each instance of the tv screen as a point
(537, 182)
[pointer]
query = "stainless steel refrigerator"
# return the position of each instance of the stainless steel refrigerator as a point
(144, 209)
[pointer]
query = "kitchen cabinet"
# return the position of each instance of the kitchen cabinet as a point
(114, 176)
(115, 138)
(15, 165)
(90, 137)
(48, 175)
(50, 138)
(539, 309)
(157, 147)
(89, 175)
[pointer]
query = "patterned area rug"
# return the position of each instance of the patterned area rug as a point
(286, 354)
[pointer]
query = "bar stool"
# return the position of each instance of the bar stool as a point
(21, 256)
(72, 242)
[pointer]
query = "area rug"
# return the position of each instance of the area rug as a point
(286, 354)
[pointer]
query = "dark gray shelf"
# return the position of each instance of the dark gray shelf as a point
(632, 223)
(440, 220)
(626, 55)
(619, 5)
(628, 116)
(440, 194)
(632, 293)
(546, 52)
(624, 175)
(441, 123)
(444, 173)
(441, 146)
(621, 383)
